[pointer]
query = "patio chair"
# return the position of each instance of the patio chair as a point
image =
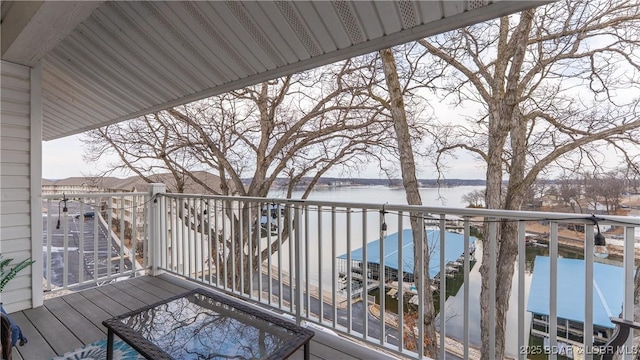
(16, 333)
(619, 337)
(5, 341)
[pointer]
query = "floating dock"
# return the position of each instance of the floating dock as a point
(453, 251)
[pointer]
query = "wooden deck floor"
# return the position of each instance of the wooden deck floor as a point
(68, 322)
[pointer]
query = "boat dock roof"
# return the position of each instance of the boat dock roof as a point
(453, 249)
(608, 284)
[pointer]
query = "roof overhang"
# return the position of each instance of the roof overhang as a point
(104, 62)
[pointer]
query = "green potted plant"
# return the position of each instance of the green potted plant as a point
(5, 277)
(13, 272)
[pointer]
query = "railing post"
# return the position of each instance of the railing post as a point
(65, 232)
(628, 304)
(553, 288)
(493, 264)
(297, 229)
(521, 288)
(588, 294)
(154, 227)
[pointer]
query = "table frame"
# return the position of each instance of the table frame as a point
(151, 351)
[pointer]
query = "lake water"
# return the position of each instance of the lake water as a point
(446, 196)
(365, 228)
(357, 228)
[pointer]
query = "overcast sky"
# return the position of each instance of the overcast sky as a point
(62, 158)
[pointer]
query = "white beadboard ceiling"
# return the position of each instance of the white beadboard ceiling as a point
(119, 60)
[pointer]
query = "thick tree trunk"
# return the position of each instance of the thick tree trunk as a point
(410, 182)
(504, 121)
(509, 198)
(507, 245)
(494, 201)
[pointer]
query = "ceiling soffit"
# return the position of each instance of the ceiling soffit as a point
(127, 59)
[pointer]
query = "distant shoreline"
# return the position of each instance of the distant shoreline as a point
(392, 183)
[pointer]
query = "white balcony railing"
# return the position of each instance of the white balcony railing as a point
(327, 259)
(92, 239)
(331, 251)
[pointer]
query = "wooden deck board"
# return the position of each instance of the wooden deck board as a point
(90, 311)
(122, 298)
(109, 305)
(61, 339)
(167, 285)
(68, 322)
(37, 346)
(155, 290)
(136, 292)
(15, 355)
(75, 320)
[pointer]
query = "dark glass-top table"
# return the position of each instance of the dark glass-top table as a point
(203, 325)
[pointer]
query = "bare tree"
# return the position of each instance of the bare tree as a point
(570, 192)
(554, 86)
(540, 188)
(631, 175)
(613, 186)
(395, 105)
(144, 146)
(474, 199)
(604, 190)
(297, 127)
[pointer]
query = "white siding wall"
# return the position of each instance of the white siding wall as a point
(15, 174)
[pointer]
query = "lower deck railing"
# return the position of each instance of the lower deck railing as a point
(93, 239)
